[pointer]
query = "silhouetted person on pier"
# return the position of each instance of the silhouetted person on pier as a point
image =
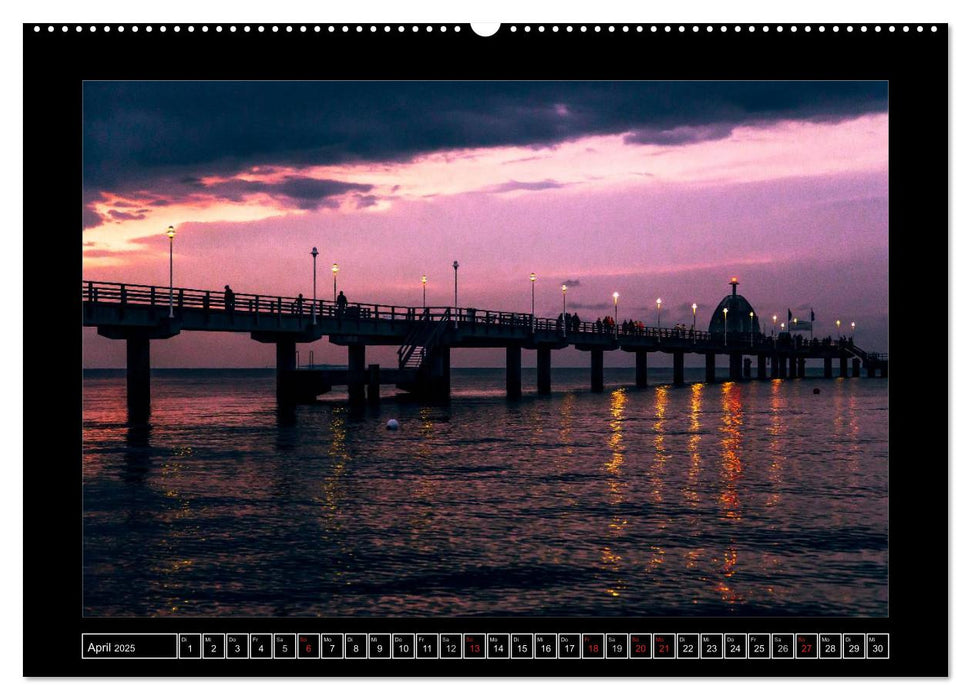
(341, 303)
(229, 299)
(300, 304)
(576, 323)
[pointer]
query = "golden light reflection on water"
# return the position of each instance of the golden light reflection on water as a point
(690, 488)
(332, 487)
(616, 491)
(661, 456)
(731, 443)
(725, 584)
(615, 440)
(776, 447)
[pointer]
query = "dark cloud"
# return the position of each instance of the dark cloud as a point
(136, 131)
(304, 192)
(679, 135)
(116, 215)
(90, 218)
(513, 185)
(570, 283)
(366, 200)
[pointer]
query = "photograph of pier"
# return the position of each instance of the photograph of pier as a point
(491, 349)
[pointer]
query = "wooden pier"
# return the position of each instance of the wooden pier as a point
(425, 337)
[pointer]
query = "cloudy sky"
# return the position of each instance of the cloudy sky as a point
(649, 189)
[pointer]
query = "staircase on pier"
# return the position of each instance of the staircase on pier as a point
(415, 351)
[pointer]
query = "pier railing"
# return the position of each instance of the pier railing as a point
(466, 318)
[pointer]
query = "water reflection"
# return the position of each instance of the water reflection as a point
(714, 500)
(138, 453)
(660, 454)
(776, 447)
(731, 442)
(611, 559)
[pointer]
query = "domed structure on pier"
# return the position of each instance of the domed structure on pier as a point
(741, 317)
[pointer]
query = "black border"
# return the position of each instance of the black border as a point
(914, 63)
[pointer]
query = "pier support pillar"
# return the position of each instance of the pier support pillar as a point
(828, 367)
(678, 367)
(856, 366)
(440, 379)
(597, 370)
(374, 384)
(760, 371)
(286, 362)
(843, 369)
(801, 364)
(355, 373)
(747, 368)
(514, 372)
(734, 366)
(139, 379)
(793, 373)
(775, 366)
(709, 367)
(640, 368)
(544, 372)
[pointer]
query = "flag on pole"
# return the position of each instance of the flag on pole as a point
(790, 315)
(812, 314)
(801, 326)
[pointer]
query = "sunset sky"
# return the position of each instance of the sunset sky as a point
(645, 188)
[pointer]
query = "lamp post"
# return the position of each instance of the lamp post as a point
(313, 315)
(616, 295)
(563, 317)
(532, 299)
(694, 317)
(751, 328)
(725, 312)
(334, 269)
(424, 282)
(852, 329)
(171, 233)
(659, 312)
(837, 328)
(455, 266)
(774, 319)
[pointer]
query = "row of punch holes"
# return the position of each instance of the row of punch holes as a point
(694, 28)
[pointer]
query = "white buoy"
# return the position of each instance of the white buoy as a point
(392, 424)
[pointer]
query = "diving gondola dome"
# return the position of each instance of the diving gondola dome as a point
(738, 317)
